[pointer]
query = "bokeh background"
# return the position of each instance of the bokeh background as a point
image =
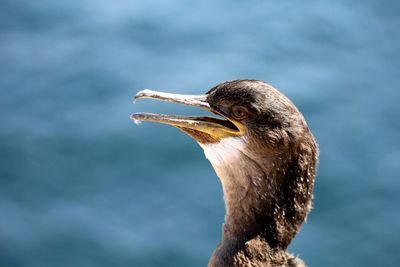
(81, 185)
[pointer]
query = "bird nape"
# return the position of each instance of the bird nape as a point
(265, 157)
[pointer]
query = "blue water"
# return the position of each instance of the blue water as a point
(81, 185)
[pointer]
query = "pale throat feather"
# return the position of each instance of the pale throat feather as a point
(227, 151)
(227, 158)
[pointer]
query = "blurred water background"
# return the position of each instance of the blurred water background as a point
(81, 185)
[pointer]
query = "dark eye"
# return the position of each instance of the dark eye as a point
(239, 112)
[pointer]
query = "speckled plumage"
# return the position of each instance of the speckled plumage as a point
(268, 188)
(265, 156)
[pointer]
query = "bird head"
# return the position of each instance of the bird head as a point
(260, 147)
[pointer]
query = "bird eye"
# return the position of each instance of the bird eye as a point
(239, 112)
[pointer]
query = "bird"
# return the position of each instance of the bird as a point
(265, 156)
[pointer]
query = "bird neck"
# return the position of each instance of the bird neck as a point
(256, 206)
(267, 198)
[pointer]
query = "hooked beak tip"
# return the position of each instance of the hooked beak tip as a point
(142, 94)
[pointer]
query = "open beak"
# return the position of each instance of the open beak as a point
(203, 129)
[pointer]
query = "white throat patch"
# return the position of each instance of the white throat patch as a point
(228, 150)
